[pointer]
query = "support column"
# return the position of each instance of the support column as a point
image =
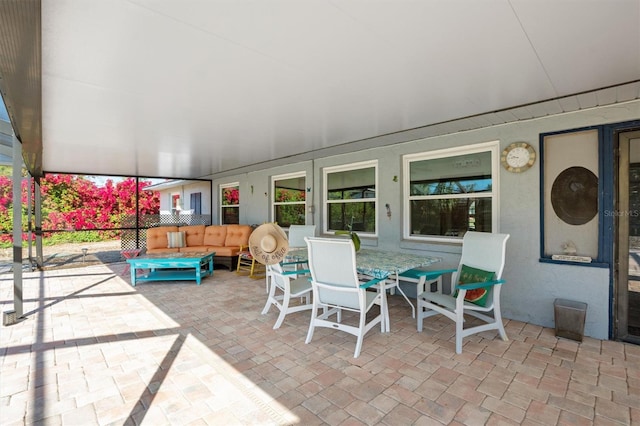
(17, 228)
(38, 217)
(137, 213)
(29, 222)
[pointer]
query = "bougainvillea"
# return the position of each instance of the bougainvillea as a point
(288, 195)
(71, 202)
(231, 196)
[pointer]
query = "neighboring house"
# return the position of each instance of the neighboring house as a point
(184, 201)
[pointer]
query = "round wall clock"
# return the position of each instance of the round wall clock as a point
(518, 157)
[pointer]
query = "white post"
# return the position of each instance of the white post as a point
(29, 222)
(38, 217)
(17, 227)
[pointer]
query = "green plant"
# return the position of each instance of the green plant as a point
(354, 237)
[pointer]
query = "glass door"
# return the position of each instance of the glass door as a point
(627, 283)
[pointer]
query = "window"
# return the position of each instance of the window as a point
(571, 178)
(196, 202)
(230, 205)
(176, 206)
(450, 192)
(289, 199)
(350, 197)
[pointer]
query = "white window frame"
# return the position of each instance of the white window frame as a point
(493, 147)
(273, 192)
(325, 201)
(221, 188)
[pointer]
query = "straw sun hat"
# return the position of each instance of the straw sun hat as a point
(268, 244)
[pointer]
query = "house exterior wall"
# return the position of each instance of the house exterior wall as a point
(532, 286)
(185, 192)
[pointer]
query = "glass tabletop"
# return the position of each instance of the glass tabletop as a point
(377, 263)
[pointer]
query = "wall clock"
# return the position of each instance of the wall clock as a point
(518, 157)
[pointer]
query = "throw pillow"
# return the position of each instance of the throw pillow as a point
(176, 239)
(468, 275)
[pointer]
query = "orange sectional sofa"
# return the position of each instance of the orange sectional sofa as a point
(225, 240)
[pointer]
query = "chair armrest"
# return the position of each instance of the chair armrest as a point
(473, 286)
(372, 282)
(294, 262)
(296, 272)
(417, 273)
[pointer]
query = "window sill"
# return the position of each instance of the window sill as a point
(565, 262)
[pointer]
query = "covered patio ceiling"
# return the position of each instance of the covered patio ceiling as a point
(195, 88)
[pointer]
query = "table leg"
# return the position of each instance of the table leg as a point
(397, 285)
(129, 254)
(198, 273)
(133, 275)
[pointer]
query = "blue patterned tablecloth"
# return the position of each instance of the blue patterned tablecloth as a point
(377, 263)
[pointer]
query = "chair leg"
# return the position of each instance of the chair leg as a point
(459, 328)
(314, 314)
(498, 318)
(384, 307)
(419, 316)
(270, 300)
(361, 325)
(283, 310)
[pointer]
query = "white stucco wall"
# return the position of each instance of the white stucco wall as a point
(531, 285)
(185, 192)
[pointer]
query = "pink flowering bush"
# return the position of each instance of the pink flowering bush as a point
(230, 196)
(71, 202)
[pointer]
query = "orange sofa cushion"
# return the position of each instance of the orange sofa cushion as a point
(222, 251)
(163, 250)
(157, 237)
(214, 235)
(194, 235)
(237, 235)
(195, 249)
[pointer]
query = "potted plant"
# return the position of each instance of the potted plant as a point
(354, 237)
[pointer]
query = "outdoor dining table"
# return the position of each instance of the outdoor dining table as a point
(382, 264)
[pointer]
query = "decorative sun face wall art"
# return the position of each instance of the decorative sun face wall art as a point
(574, 195)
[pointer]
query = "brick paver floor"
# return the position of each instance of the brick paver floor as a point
(94, 350)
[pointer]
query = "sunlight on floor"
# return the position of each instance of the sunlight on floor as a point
(95, 348)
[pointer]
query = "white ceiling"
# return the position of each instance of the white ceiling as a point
(192, 88)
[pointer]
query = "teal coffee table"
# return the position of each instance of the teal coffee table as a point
(172, 267)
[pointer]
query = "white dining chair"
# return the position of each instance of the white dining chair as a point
(285, 287)
(297, 233)
(336, 287)
(476, 285)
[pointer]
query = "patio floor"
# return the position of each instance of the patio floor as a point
(94, 350)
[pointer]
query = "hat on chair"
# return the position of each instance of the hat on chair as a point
(268, 244)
